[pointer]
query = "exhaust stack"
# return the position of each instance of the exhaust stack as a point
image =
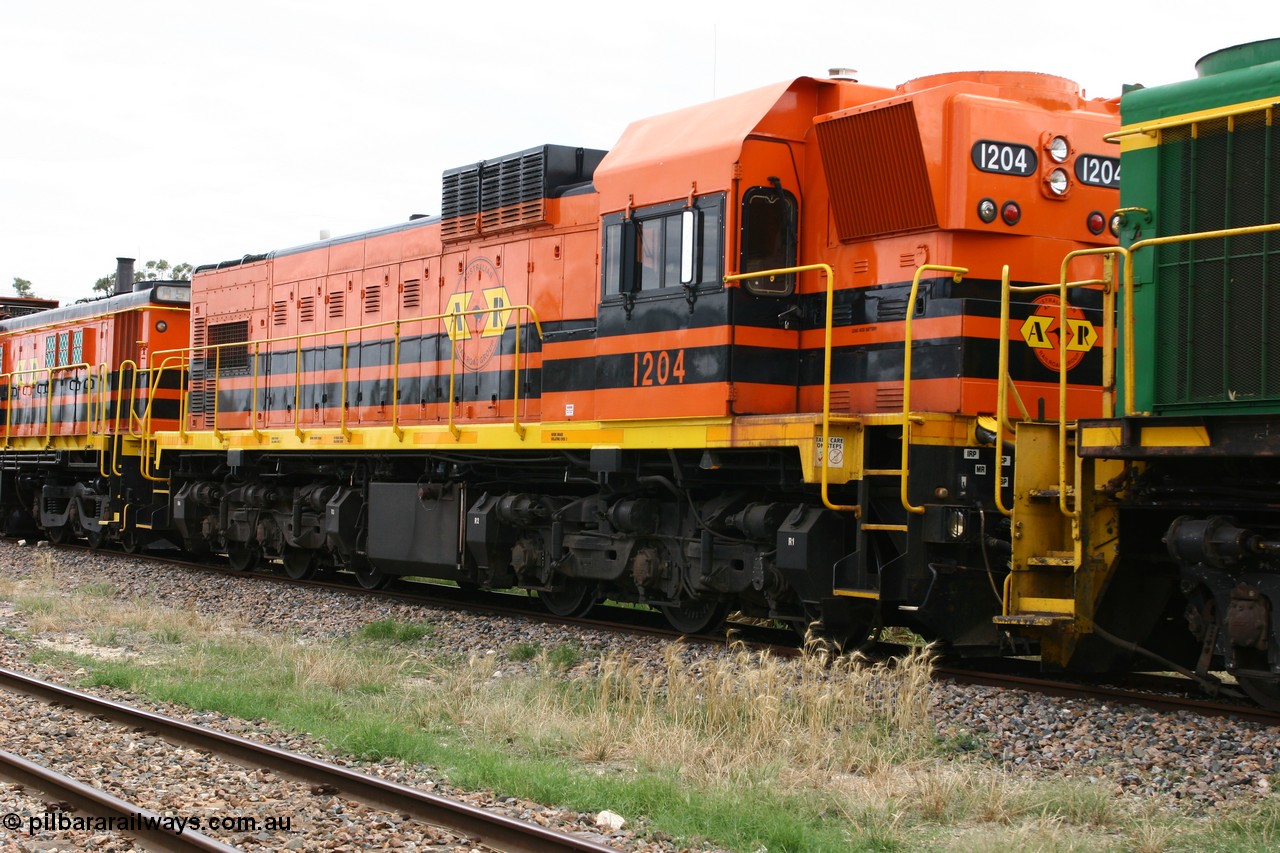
(124, 276)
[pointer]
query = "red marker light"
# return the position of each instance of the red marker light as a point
(1096, 222)
(1011, 213)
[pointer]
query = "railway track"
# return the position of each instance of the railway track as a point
(154, 831)
(1164, 694)
(482, 828)
(1152, 692)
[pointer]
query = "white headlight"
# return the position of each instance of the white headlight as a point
(171, 293)
(1059, 148)
(1058, 181)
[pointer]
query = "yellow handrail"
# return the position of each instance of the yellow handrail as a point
(115, 432)
(1130, 350)
(395, 381)
(823, 452)
(517, 310)
(957, 275)
(1108, 357)
(108, 438)
(297, 393)
(1003, 381)
(342, 408)
(1108, 360)
(1152, 128)
(49, 371)
(148, 435)
(253, 391)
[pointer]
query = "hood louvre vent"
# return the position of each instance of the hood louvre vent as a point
(876, 172)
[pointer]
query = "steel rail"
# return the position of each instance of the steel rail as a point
(1149, 697)
(147, 826)
(488, 828)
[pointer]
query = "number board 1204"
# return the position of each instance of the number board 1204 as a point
(1004, 158)
(1098, 171)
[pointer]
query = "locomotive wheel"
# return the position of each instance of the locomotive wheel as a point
(696, 617)
(1264, 691)
(370, 577)
(244, 558)
(59, 535)
(130, 541)
(300, 564)
(96, 534)
(570, 600)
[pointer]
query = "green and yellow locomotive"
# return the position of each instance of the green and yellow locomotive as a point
(1159, 539)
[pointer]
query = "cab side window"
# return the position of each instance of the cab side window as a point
(665, 247)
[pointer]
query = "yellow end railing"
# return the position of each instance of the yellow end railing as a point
(1130, 349)
(957, 275)
(254, 351)
(26, 381)
(1062, 288)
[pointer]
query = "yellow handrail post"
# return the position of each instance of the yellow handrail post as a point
(515, 388)
(395, 385)
(184, 409)
(8, 407)
(1002, 388)
(1109, 336)
(48, 407)
(107, 439)
(253, 392)
(217, 378)
(957, 275)
(148, 436)
(297, 389)
(453, 360)
(115, 430)
(824, 450)
(1108, 360)
(342, 413)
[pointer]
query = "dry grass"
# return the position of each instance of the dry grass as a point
(747, 718)
(92, 610)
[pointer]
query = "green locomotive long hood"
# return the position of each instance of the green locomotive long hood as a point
(1238, 74)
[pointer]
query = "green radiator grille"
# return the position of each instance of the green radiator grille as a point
(1218, 301)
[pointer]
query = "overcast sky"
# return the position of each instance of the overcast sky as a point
(198, 132)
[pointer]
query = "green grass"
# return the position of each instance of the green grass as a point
(523, 652)
(393, 631)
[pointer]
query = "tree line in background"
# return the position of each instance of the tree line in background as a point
(160, 270)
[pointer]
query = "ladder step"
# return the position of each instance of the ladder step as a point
(1050, 494)
(1040, 613)
(901, 528)
(882, 472)
(1054, 558)
(857, 593)
(1031, 620)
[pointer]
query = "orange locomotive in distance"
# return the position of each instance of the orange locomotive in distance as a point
(747, 359)
(78, 396)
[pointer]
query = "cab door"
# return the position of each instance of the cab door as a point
(764, 311)
(663, 333)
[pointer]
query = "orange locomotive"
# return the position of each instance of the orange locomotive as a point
(79, 401)
(673, 372)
